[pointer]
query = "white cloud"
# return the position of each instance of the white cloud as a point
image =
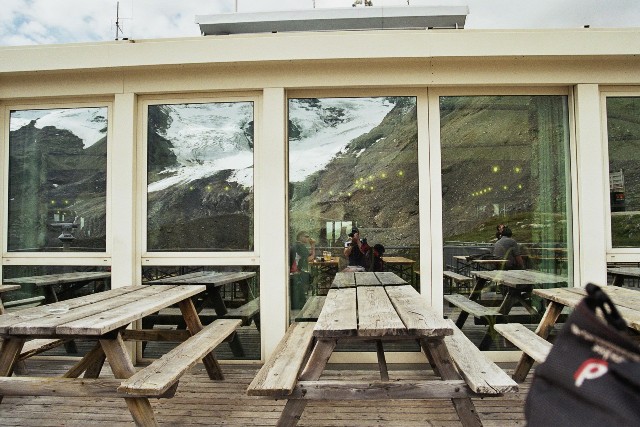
(69, 21)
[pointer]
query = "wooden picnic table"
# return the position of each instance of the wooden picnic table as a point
(212, 297)
(621, 273)
(402, 266)
(518, 285)
(72, 281)
(627, 302)
(377, 307)
(104, 317)
(464, 264)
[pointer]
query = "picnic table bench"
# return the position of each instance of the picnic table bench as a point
(104, 317)
(248, 312)
(451, 279)
(517, 284)
(377, 307)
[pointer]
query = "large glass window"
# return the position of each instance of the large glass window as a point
(200, 177)
(623, 131)
(505, 166)
(352, 164)
(57, 180)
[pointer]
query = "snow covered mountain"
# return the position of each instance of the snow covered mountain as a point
(208, 138)
(324, 127)
(88, 124)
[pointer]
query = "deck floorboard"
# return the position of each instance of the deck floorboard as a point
(199, 401)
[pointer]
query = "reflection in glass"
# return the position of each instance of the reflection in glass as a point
(505, 161)
(57, 180)
(49, 284)
(352, 163)
(623, 131)
(232, 292)
(200, 177)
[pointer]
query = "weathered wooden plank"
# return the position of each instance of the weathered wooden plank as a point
(29, 314)
(501, 277)
(311, 310)
(456, 277)
(387, 278)
(540, 278)
(526, 340)
(279, 374)
(24, 301)
(7, 288)
(376, 315)
(344, 280)
(521, 278)
(211, 278)
(194, 325)
(177, 280)
(37, 346)
(561, 295)
(47, 323)
(122, 367)
(64, 387)
(482, 375)
(440, 360)
(56, 279)
(93, 360)
(622, 297)
(366, 279)
(98, 324)
(417, 317)
(197, 399)
(549, 319)
(625, 271)
(246, 311)
(164, 372)
(232, 277)
(382, 390)
(471, 307)
(171, 335)
(626, 301)
(338, 317)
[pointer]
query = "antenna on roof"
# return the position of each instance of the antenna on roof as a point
(118, 28)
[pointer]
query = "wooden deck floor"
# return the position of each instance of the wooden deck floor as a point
(200, 401)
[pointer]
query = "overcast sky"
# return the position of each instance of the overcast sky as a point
(28, 22)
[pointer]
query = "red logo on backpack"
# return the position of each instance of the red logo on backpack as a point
(590, 369)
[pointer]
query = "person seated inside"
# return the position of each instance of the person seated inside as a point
(378, 263)
(355, 250)
(508, 249)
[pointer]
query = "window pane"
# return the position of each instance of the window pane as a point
(505, 160)
(57, 180)
(352, 163)
(623, 130)
(232, 292)
(200, 177)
